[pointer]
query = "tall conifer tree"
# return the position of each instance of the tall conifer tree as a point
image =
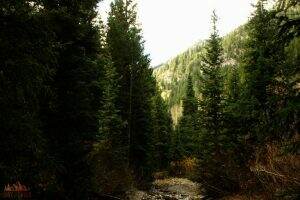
(211, 116)
(72, 123)
(161, 136)
(186, 130)
(126, 47)
(212, 81)
(27, 59)
(189, 104)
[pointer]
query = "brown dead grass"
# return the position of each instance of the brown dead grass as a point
(276, 170)
(185, 167)
(272, 171)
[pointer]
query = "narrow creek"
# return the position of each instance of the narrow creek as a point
(170, 189)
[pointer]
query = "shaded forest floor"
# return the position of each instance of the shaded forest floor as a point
(169, 189)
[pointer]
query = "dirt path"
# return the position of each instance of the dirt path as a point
(170, 189)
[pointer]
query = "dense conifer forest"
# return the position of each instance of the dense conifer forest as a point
(83, 115)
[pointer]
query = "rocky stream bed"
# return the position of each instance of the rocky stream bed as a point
(169, 189)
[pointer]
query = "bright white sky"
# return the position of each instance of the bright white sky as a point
(172, 26)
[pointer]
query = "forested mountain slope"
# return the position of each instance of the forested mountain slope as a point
(235, 104)
(172, 75)
(82, 117)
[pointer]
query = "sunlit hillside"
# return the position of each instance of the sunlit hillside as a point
(172, 75)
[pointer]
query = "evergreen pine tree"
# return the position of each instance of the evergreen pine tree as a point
(132, 65)
(109, 156)
(233, 89)
(189, 104)
(27, 59)
(212, 82)
(212, 138)
(110, 121)
(72, 122)
(161, 136)
(186, 130)
(262, 58)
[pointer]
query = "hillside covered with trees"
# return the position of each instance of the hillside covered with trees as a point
(172, 75)
(84, 116)
(235, 105)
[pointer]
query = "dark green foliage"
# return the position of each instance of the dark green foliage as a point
(81, 113)
(186, 131)
(109, 158)
(72, 122)
(50, 74)
(27, 65)
(161, 136)
(189, 104)
(137, 88)
(185, 138)
(269, 77)
(212, 137)
(110, 121)
(247, 101)
(256, 93)
(258, 67)
(286, 97)
(123, 39)
(212, 82)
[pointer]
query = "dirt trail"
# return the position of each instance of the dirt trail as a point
(170, 189)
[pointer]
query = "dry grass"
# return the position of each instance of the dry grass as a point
(275, 170)
(273, 173)
(185, 167)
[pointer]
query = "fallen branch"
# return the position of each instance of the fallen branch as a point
(275, 174)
